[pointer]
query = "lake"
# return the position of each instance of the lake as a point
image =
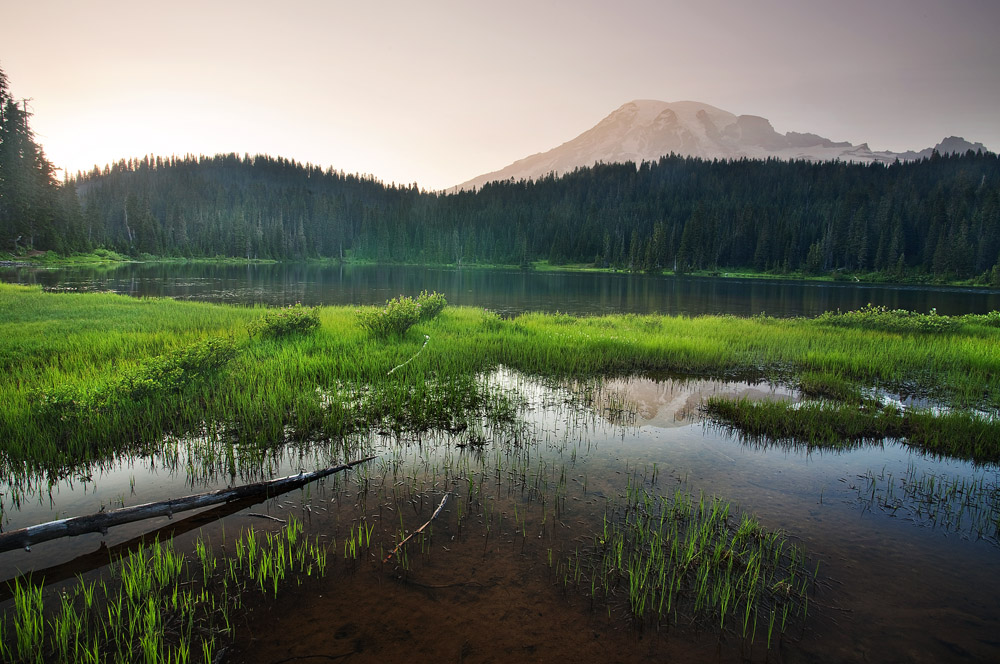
(507, 292)
(908, 562)
(894, 578)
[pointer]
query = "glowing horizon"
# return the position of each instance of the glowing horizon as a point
(440, 92)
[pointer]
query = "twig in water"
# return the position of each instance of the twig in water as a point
(418, 530)
(265, 516)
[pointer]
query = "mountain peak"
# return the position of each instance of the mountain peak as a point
(957, 145)
(647, 129)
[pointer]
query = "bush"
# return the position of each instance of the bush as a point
(992, 319)
(402, 313)
(285, 321)
(153, 379)
(396, 317)
(431, 304)
(891, 320)
(178, 369)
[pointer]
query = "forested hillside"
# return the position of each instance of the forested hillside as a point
(939, 216)
(936, 218)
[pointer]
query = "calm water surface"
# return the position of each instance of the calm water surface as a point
(896, 583)
(504, 291)
(893, 586)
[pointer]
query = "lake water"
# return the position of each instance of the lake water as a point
(505, 291)
(893, 585)
(903, 574)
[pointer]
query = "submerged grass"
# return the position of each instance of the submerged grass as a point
(677, 559)
(158, 605)
(969, 505)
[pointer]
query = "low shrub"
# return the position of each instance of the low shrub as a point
(991, 319)
(891, 320)
(177, 369)
(285, 322)
(396, 317)
(155, 378)
(400, 314)
(431, 304)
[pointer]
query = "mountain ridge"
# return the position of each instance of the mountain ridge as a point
(647, 129)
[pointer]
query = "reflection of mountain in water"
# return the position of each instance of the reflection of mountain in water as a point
(673, 402)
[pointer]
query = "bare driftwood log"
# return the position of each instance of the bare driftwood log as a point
(100, 556)
(418, 530)
(100, 522)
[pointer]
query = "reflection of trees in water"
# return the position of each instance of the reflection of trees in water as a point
(507, 291)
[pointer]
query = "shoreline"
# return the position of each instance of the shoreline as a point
(860, 279)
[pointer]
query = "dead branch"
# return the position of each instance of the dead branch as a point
(418, 530)
(100, 522)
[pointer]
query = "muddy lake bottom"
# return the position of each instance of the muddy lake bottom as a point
(901, 576)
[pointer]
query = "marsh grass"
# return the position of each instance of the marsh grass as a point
(673, 559)
(682, 560)
(959, 434)
(515, 488)
(960, 504)
(150, 376)
(88, 377)
(830, 386)
(157, 605)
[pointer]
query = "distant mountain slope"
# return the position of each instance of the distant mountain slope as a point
(645, 130)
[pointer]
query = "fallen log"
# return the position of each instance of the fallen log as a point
(418, 530)
(99, 557)
(100, 522)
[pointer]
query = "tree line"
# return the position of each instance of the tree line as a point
(938, 218)
(35, 210)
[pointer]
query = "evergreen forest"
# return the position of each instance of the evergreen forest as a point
(937, 218)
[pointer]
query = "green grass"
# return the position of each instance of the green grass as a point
(334, 378)
(677, 559)
(157, 605)
(85, 378)
(831, 425)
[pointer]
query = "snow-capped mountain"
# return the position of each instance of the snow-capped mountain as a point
(645, 130)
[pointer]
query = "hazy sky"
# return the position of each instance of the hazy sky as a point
(437, 92)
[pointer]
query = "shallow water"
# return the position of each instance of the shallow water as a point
(892, 585)
(505, 291)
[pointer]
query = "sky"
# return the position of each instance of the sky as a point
(438, 92)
